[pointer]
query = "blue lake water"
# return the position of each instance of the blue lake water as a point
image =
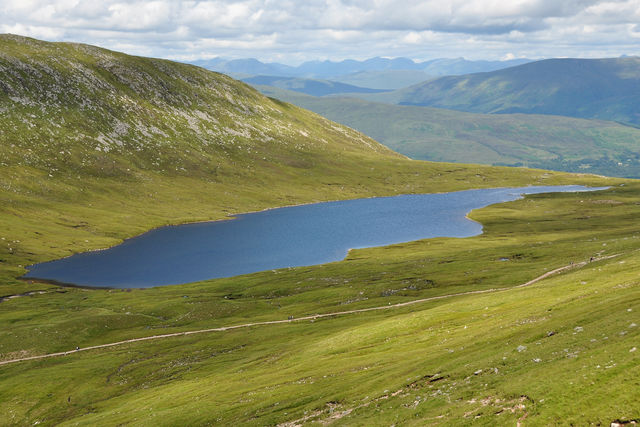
(277, 238)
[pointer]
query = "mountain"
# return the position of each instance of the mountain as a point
(248, 66)
(456, 66)
(313, 87)
(607, 89)
(309, 69)
(95, 112)
(411, 74)
(384, 79)
(328, 69)
(333, 69)
(543, 141)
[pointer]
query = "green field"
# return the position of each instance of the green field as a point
(482, 359)
(457, 360)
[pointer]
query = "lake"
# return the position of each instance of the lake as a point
(284, 237)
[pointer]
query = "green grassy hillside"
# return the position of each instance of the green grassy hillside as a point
(98, 146)
(541, 141)
(561, 351)
(606, 89)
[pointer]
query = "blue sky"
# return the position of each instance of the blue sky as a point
(291, 31)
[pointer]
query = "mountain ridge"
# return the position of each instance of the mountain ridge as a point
(345, 68)
(605, 89)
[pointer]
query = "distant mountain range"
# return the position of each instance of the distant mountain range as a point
(378, 73)
(607, 89)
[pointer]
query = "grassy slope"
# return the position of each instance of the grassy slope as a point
(584, 373)
(605, 89)
(551, 142)
(60, 195)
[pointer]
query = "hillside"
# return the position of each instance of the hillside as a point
(148, 115)
(606, 89)
(436, 134)
(499, 354)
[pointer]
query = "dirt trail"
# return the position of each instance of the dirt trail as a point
(311, 317)
(26, 294)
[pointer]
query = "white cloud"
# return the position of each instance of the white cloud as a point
(295, 30)
(41, 32)
(152, 15)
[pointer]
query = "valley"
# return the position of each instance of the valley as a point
(436, 134)
(321, 360)
(528, 322)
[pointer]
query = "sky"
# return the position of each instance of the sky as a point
(291, 31)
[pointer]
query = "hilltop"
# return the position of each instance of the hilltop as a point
(606, 89)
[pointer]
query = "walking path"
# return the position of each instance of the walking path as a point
(312, 317)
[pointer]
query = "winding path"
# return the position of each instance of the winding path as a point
(311, 317)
